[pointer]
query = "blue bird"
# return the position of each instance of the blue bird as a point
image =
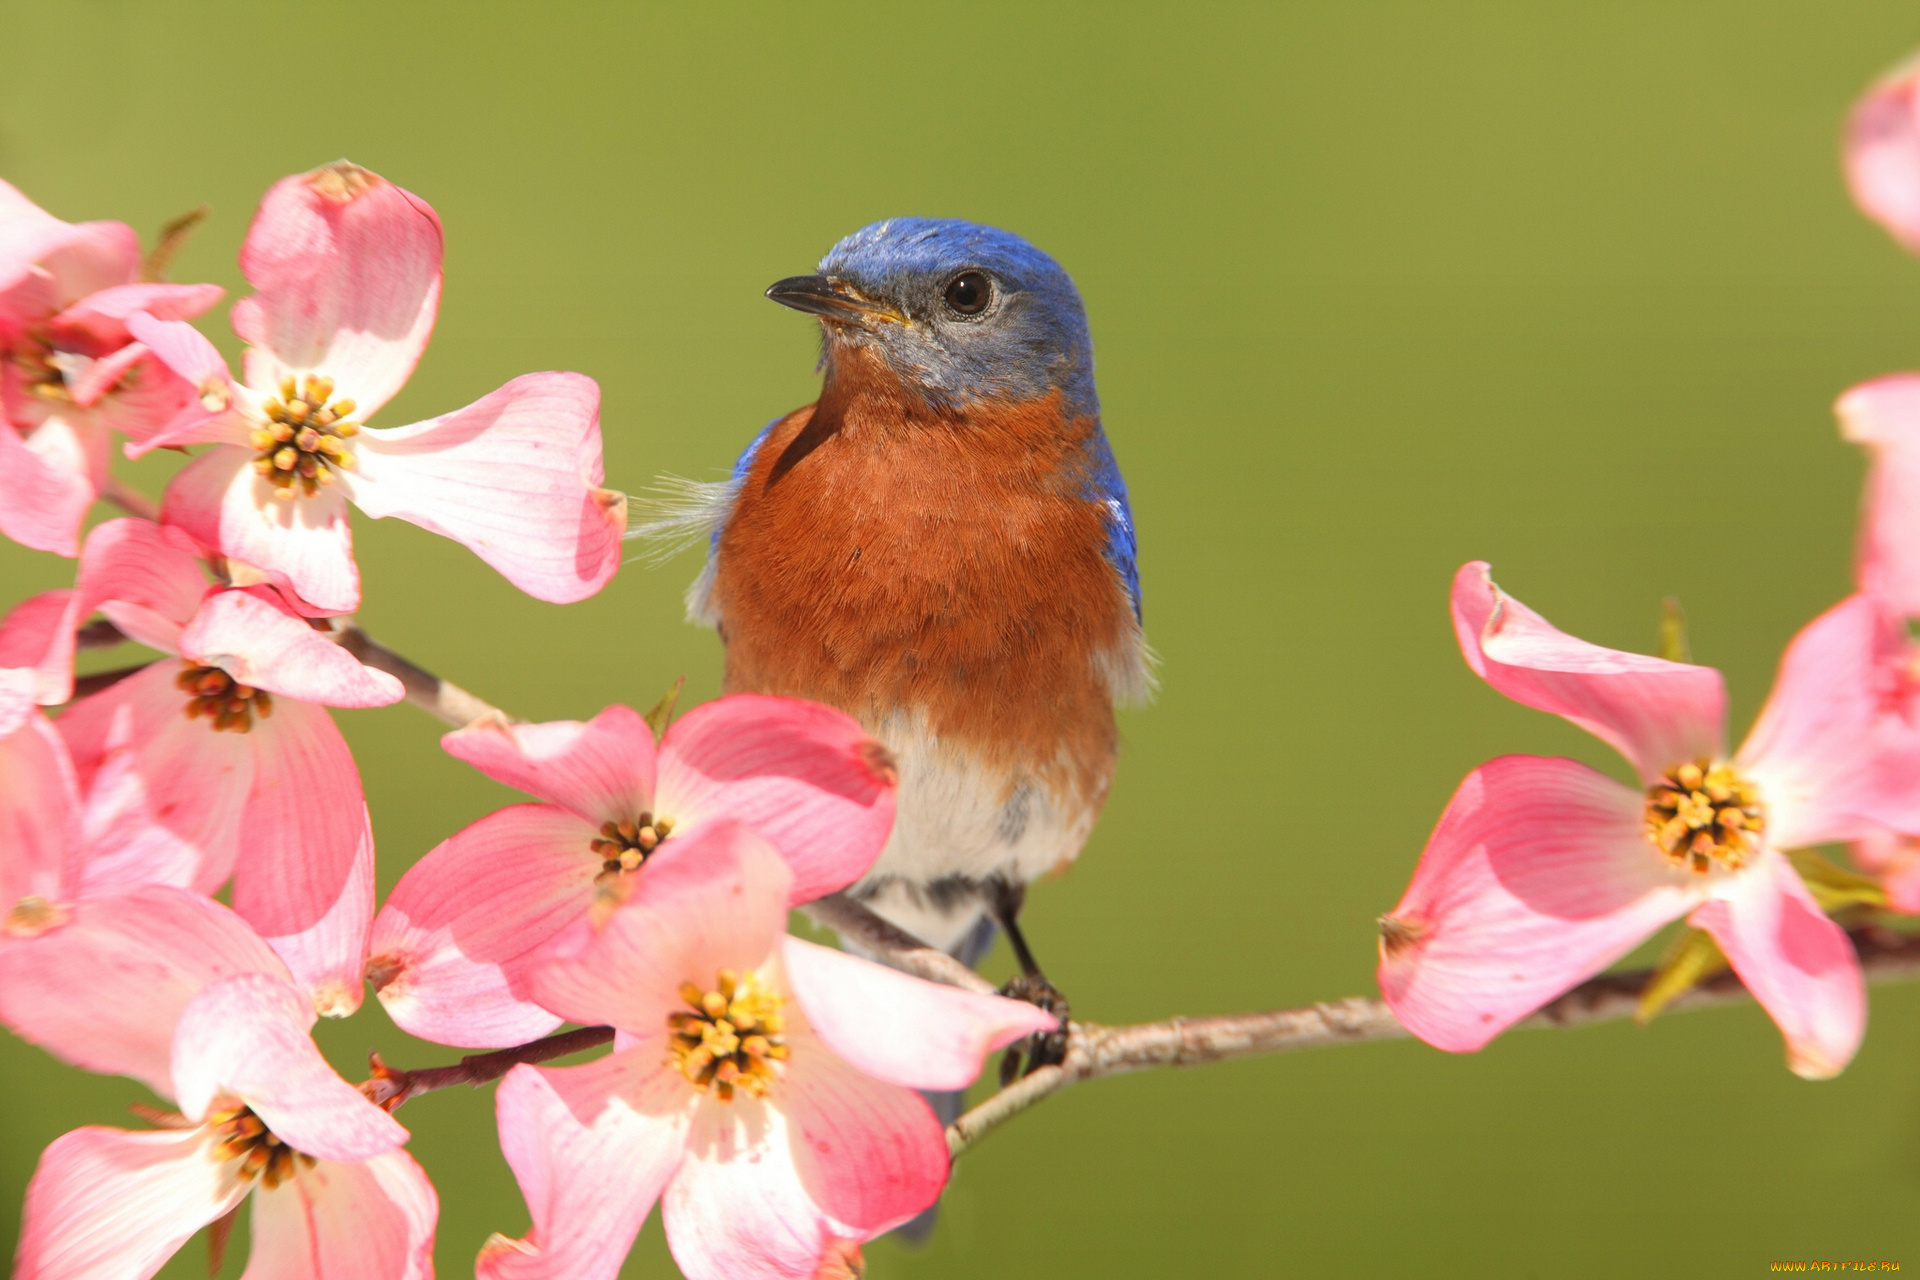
(941, 546)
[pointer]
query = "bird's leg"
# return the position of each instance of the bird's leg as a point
(1032, 986)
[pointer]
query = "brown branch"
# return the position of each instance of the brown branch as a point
(870, 935)
(84, 686)
(442, 699)
(98, 634)
(1094, 1051)
(129, 500)
(390, 1087)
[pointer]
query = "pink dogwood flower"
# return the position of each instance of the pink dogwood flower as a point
(761, 1087)
(260, 1113)
(1884, 417)
(347, 268)
(70, 372)
(1894, 860)
(146, 980)
(95, 969)
(452, 944)
(1882, 154)
(1542, 872)
(224, 765)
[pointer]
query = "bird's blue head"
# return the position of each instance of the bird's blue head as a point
(959, 311)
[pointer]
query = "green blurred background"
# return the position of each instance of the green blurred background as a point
(1376, 289)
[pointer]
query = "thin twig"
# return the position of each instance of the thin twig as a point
(442, 699)
(855, 923)
(390, 1087)
(99, 634)
(1094, 1051)
(129, 500)
(84, 686)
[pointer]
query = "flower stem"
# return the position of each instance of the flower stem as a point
(442, 699)
(130, 500)
(390, 1087)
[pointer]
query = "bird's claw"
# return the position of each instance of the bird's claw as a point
(1044, 1049)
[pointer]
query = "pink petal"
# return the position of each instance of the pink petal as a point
(141, 576)
(368, 1221)
(1835, 749)
(27, 234)
(304, 877)
(602, 770)
(1884, 416)
(101, 318)
(106, 1204)
(105, 990)
(514, 477)
(592, 1147)
(899, 1028)
(1798, 964)
(715, 899)
(348, 271)
(870, 1155)
(207, 415)
(1895, 860)
(39, 814)
(100, 256)
(742, 1206)
(804, 776)
(17, 702)
(42, 499)
(1538, 877)
(1883, 156)
(261, 643)
(89, 380)
(37, 637)
(165, 794)
(300, 542)
(246, 1038)
(148, 397)
(1656, 713)
(452, 945)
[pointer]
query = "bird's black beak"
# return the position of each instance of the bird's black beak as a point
(834, 299)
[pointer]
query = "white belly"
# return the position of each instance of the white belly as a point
(963, 822)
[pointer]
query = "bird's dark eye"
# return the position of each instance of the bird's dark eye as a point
(969, 292)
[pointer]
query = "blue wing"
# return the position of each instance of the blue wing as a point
(741, 465)
(1106, 486)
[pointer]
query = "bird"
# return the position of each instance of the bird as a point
(941, 545)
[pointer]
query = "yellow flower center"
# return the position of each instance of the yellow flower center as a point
(262, 1155)
(302, 444)
(625, 845)
(34, 356)
(731, 1038)
(32, 916)
(1701, 813)
(215, 694)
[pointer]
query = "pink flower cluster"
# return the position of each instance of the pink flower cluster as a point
(761, 1088)
(1542, 872)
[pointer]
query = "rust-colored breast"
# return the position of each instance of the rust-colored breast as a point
(885, 557)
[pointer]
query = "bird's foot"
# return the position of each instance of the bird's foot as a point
(1046, 1049)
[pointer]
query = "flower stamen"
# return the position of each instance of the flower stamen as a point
(218, 696)
(302, 444)
(244, 1137)
(732, 1037)
(32, 916)
(34, 357)
(1701, 813)
(625, 845)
